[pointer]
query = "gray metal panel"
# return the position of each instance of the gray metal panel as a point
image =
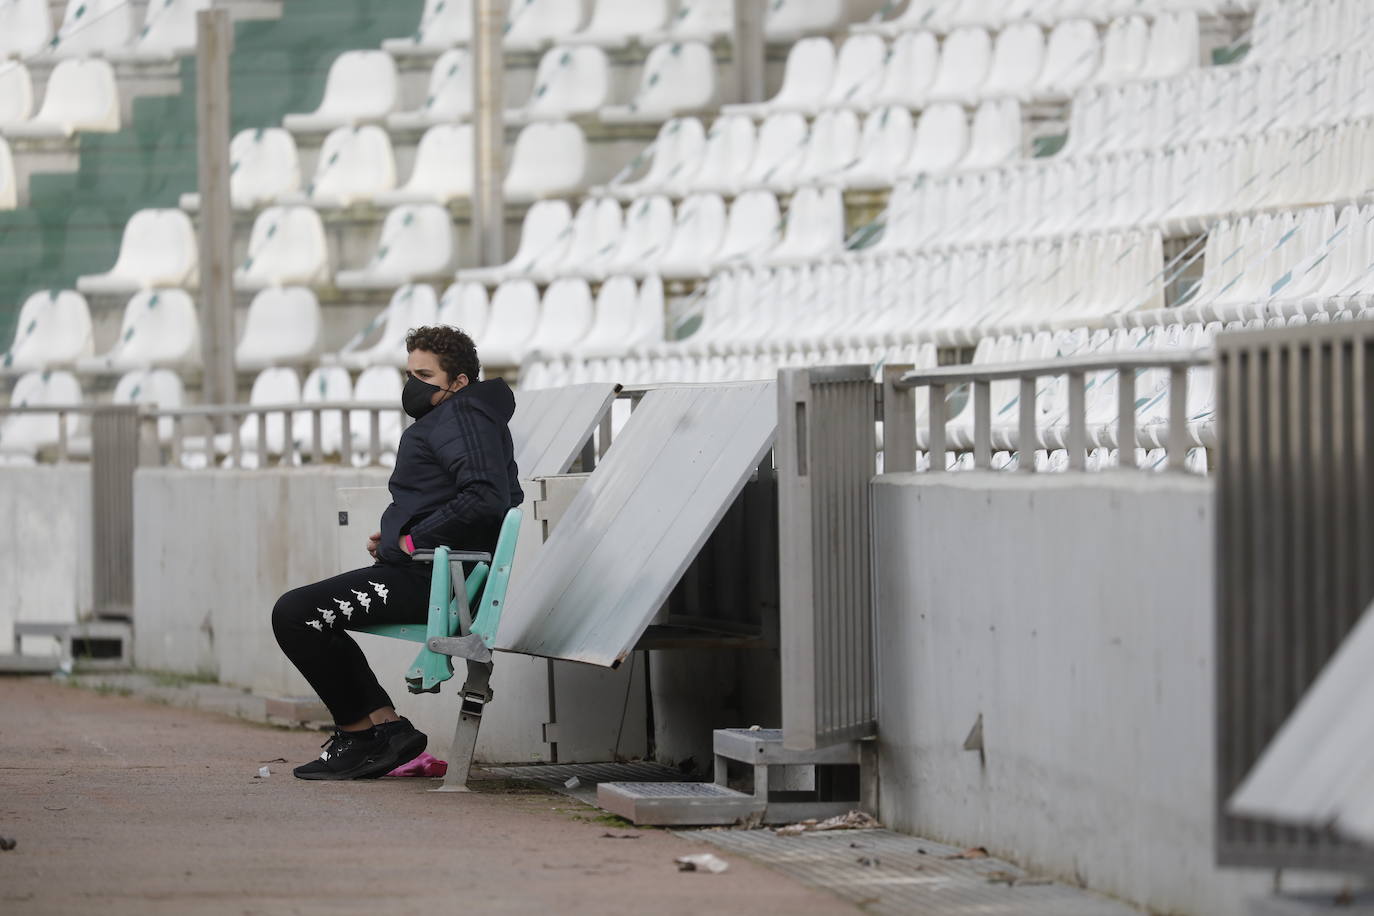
(114, 458)
(677, 803)
(551, 424)
(1317, 771)
(1295, 531)
(765, 747)
(642, 516)
(826, 457)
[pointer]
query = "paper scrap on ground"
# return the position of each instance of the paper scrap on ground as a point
(854, 820)
(704, 861)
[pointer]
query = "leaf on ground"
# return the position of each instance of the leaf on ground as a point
(973, 852)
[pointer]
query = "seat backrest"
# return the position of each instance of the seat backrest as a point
(859, 70)
(596, 231)
(283, 326)
(159, 248)
(1017, 59)
(16, 91)
(263, 163)
(417, 240)
(514, 315)
(1173, 45)
(324, 385)
(361, 84)
(627, 17)
(535, 20)
(487, 618)
(1071, 56)
(911, 65)
(152, 388)
(355, 162)
(54, 327)
(995, 136)
(677, 148)
(464, 306)
(788, 17)
(678, 76)
(809, 71)
(965, 59)
(450, 85)
(81, 92)
(702, 18)
(26, 433)
(566, 315)
(170, 25)
(287, 245)
(445, 23)
(648, 229)
(9, 192)
(160, 327)
(616, 304)
(728, 151)
(941, 138)
(754, 226)
(25, 27)
(549, 158)
(443, 162)
(270, 387)
(697, 229)
(780, 146)
(93, 27)
(571, 80)
(544, 234)
(1123, 50)
(886, 138)
(832, 145)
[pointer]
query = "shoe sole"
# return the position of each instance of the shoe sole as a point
(375, 768)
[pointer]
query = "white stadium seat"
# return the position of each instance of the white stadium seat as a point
(362, 87)
(514, 315)
(996, 135)
(940, 141)
(93, 27)
(532, 24)
(679, 77)
(596, 232)
(729, 149)
(697, 20)
(443, 25)
(815, 228)
(355, 164)
(1123, 50)
(263, 166)
(615, 23)
(777, 155)
(465, 306)
(883, 149)
(615, 326)
(159, 329)
(169, 32)
(754, 227)
(788, 20)
(860, 69)
(324, 385)
(831, 147)
(965, 60)
(449, 98)
(1017, 59)
(382, 385)
(23, 435)
(282, 328)
(157, 388)
(25, 27)
(565, 316)
(417, 241)
(570, 81)
(442, 171)
(1072, 55)
(1173, 47)
(411, 306)
(53, 330)
(648, 229)
(807, 76)
(912, 63)
(81, 96)
(649, 316)
(698, 229)
(9, 183)
(159, 248)
(286, 247)
(549, 160)
(271, 387)
(674, 154)
(16, 93)
(544, 238)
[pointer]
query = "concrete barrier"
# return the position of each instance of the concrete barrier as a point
(45, 549)
(1072, 617)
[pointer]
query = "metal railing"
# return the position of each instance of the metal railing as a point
(1071, 434)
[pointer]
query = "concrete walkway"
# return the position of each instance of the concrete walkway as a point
(121, 806)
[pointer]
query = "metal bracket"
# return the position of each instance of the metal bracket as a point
(469, 647)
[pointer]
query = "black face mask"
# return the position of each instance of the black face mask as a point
(416, 397)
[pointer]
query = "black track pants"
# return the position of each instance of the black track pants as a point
(310, 621)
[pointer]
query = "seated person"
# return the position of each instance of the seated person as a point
(454, 480)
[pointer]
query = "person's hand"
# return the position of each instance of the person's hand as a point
(373, 542)
(405, 548)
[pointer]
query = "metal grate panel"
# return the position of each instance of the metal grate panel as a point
(114, 457)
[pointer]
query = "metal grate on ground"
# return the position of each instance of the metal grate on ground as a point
(555, 776)
(891, 873)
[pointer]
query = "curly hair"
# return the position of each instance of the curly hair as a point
(456, 352)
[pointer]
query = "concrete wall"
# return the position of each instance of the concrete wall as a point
(45, 558)
(1074, 614)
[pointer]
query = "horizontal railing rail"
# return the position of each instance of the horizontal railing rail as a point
(1071, 436)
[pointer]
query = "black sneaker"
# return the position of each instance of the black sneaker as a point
(350, 755)
(405, 743)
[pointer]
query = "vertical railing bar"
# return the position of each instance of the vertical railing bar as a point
(935, 442)
(176, 441)
(1178, 418)
(374, 432)
(1078, 422)
(262, 437)
(982, 424)
(316, 435)
(1125, 421)
(62, 436)
(236, 432)
(1026, 440)
(346, 436)
(288, 448)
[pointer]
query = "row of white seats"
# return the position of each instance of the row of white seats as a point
(515, 320)
(954, 298)
(917, 69)
(785, 153)
(23, 436)
(1224, 102)
(1304, 28)
(948, 15)
(107, 28)
(1182, 190)
(532, 24)
(364, 87)
(81, 96)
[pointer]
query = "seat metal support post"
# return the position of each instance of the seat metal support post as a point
(489, 137)
(214, 45)
(475, 696)
(1178, 419)
(1026, 439)
(899, 422)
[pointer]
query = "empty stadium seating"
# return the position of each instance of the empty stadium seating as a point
(544, 238)
(23, 435)
(442, 171)
(355, 164)
(159, 249)
(263, 167)
(416, 242)
(169, 31)
(571, 81)
(287, 247)
(616, 23)
(25, 27)
(53, 331)
(362, 88)
(411, 306)
(449, 97)
(443, 25)
(549, 160)
(679, 78)
(531, 24)
(282, 328)
(16, 94)
(93, 27)
(81, 96)
(159, 329)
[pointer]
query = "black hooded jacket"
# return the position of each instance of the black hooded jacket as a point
(455, 475)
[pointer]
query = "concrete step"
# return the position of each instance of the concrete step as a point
(91, 644)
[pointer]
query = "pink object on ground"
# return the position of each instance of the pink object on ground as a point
(424, 765)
